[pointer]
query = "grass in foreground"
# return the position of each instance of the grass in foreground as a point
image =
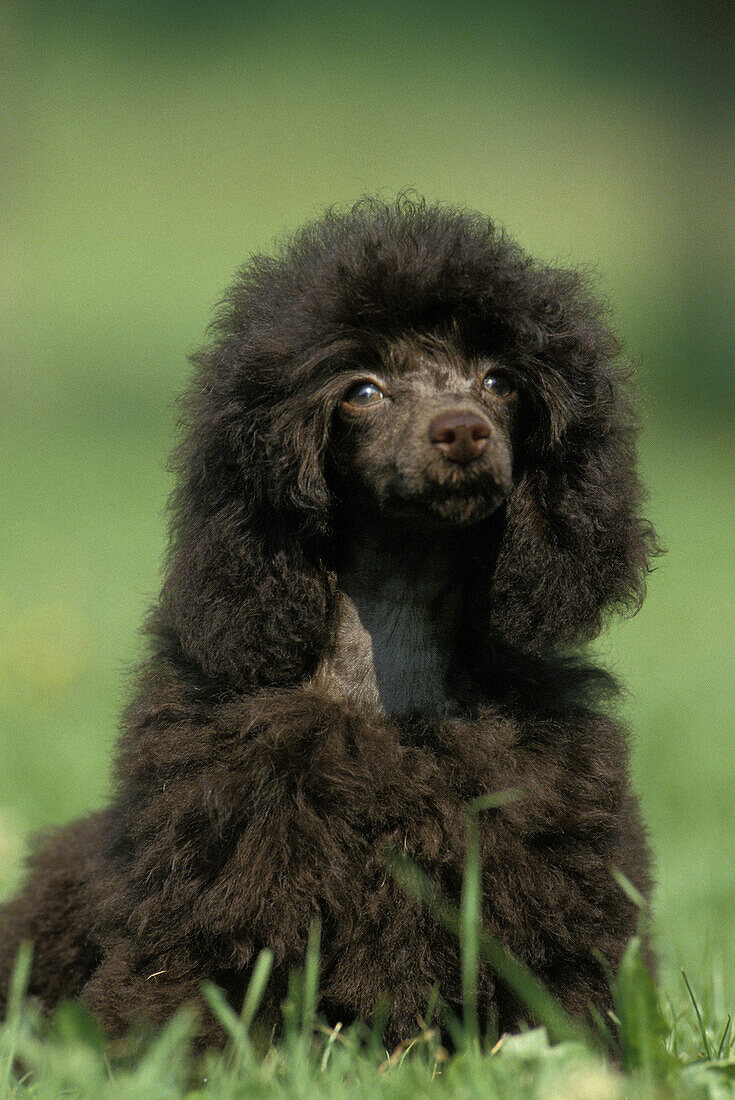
(644, 1049)
(656, 1053)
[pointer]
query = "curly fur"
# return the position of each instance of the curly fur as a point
(252, 792)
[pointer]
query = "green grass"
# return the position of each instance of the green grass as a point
(642, 1049)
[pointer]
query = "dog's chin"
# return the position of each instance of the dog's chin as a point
(440, 511)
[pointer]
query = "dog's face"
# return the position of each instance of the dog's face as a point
(425, 435)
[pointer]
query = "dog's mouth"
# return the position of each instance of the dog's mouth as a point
(429, 496)
(448, 494)
(445, 505)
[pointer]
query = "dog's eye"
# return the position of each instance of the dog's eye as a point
(498, 383)
(364, 393)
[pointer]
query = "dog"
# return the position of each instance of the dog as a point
(406, 497)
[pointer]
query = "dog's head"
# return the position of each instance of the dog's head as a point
(423, 436)
(409, 361)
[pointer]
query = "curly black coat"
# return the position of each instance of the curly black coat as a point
(258, 784)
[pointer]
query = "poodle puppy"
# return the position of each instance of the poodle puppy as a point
(406, 497)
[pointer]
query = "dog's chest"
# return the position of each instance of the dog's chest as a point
(392, 655)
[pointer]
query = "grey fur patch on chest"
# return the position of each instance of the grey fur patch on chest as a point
(392, 662)
(393, 648)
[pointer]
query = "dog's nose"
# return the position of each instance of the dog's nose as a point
(461, 436)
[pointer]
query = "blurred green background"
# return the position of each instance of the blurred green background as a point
(148, 148)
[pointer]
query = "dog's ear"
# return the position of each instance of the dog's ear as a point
(246, 595)
(574, 545)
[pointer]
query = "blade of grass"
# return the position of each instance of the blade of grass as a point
(470, 915)
(166, 1062)
(331, 1040)
(453, 1026)
(310, 986)
(256, 987)
(603, 1029)
(642, 1028)
(13, 1018)
(700, 1021)
(290, 1008)
(226, 1016)
(509, 969)
(432, 1005)
(629, 889)
(495, 800)
(381, 1012)
(471, 907)
(238, 1027)
(721, 1046)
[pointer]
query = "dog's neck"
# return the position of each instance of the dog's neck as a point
(399, 620)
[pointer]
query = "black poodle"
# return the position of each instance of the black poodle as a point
(406, 494)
